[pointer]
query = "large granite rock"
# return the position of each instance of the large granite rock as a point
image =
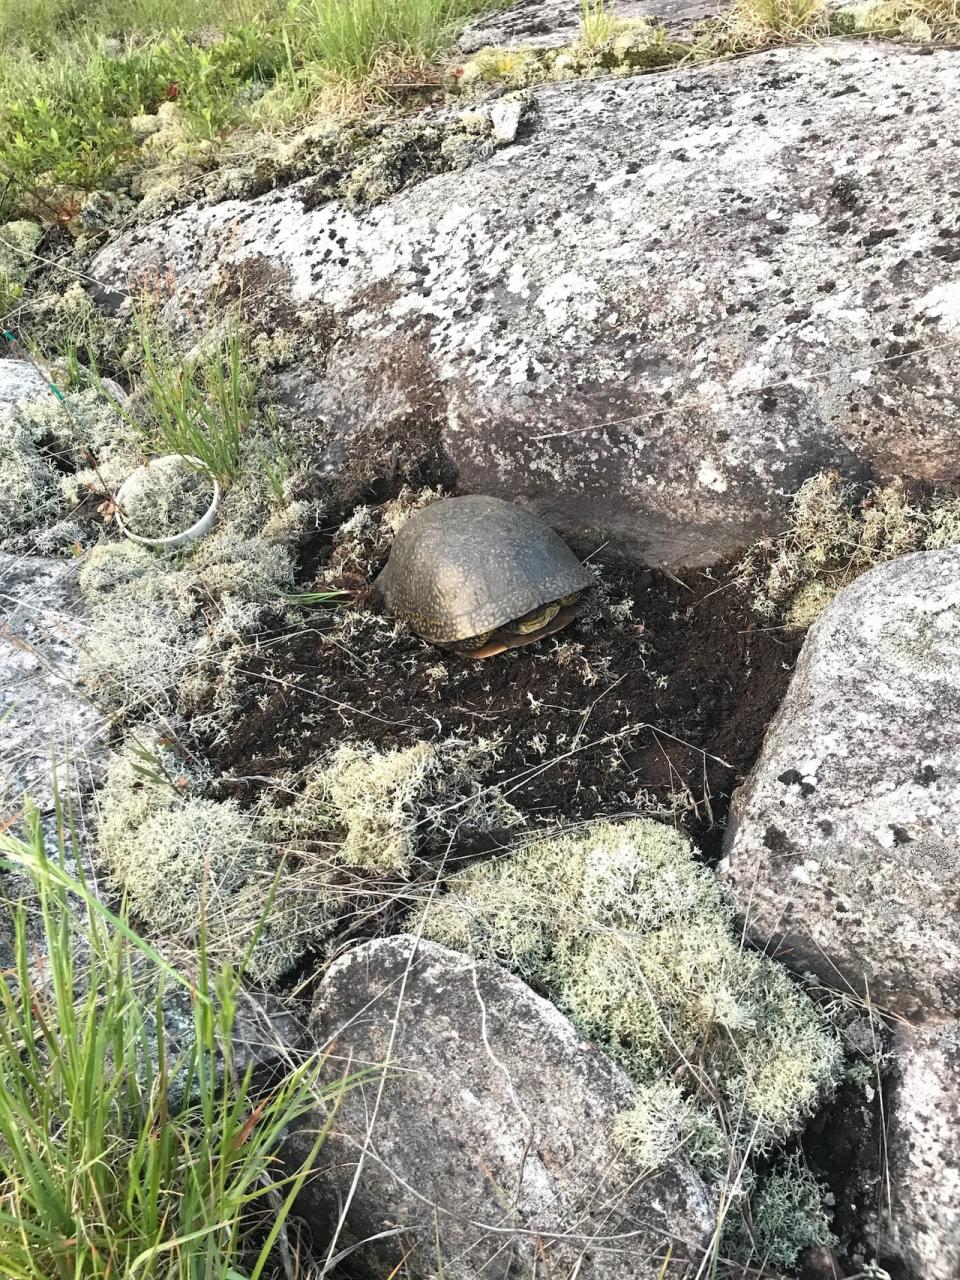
(491, 1149)
(919, 1223)
(45, 719)
(844, 842)
(673, 299)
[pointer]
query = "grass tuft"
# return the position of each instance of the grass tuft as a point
(103, 1173)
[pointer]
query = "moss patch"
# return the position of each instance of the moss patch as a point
(836, 534)
(622, 48)
(181, 857)
(361, 162)
(635, 941)
(390, 807)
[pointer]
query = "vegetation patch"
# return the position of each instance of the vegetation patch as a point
(788, 1213)
(126, 1150)
(186, 863)
(142, 86)
(49, 493)
(390, 807)
(18, 244)
(837, 533)
(636, 943)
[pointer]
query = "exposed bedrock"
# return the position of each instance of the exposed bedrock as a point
(670, 301)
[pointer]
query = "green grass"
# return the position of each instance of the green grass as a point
(37, 22)
(597, 23)
(349, 37)
(72, 75)
(103, 1173)
(201, 408)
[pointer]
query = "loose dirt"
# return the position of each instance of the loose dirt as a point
(655, 699)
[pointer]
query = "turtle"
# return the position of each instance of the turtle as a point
(480, 575)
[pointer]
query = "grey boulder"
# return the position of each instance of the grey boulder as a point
(50, 731)
(843, 848)
(919, 1225)
(490, 1150)
(650, 318)
(20, 381)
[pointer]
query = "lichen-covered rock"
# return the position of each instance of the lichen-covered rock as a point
(633, 938)
(548, 24)
(44, 719)
(666, 304)
(919, 1226)
(492, 1147)
(844, 843)
(19, 380)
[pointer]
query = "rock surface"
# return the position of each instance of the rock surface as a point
(20, 381)
(673, 299)
(844, 842)
(548, 24)
(44, 717)
(919, 1236)
(493, 1135)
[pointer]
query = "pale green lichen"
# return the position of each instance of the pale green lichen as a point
(788, 1213)
(29, 492)
(39, 441)
(142, 632)
(186, 862)
(636, 943)
(835, 535)
(19, 242)
(387, 807)
(663, 1122)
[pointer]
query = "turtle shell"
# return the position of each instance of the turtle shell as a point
(464, 566)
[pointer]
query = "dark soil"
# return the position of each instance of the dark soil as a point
(603, 718)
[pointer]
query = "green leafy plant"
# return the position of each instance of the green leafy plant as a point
(118, 1155)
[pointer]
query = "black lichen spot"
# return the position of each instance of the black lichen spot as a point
(846, 191)
(793, 778)
(926, 776)
(900, 836)
(777, 841)
(877, 236)
(826, 826)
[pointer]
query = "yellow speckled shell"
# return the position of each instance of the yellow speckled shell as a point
(467, 565)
